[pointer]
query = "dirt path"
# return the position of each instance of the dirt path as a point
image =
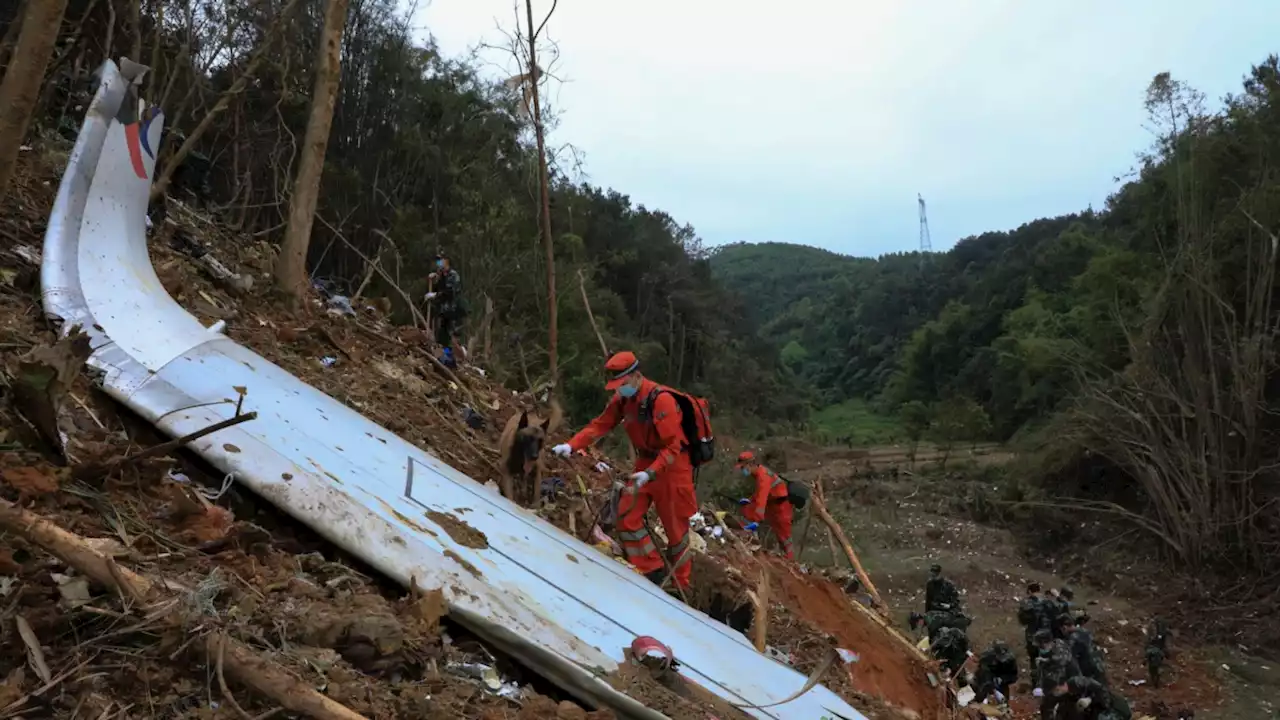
(900, 529)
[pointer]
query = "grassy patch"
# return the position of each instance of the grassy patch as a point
(857, 420)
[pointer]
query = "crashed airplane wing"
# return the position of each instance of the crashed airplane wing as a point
(521, 583)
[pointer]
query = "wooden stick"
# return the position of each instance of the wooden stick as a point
(240, 662)
(760, 623)
(413, 309)
(168, 447)
(831, 659)
(666, 562)
(33, 647)
(804, 536)
(163, 448)
(582, 285)
(820, 507)
(368, 273)
(342, 347)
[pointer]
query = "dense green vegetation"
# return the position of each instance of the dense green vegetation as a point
(857, 422)
(904, 327)
(1141, 338)
(1012, 319)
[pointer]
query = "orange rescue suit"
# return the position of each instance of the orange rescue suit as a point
(770, 504)
(660, 450)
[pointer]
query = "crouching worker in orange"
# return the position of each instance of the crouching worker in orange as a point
(770, 503)
(663, 472)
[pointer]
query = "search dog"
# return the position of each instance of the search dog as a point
(521, 450)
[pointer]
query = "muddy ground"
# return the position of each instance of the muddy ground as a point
(901, 526)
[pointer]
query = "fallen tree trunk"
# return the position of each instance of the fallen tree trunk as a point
(820, 507)
(242, 663)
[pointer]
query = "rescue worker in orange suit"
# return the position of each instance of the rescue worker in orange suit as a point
(663, 471)
(769, 503)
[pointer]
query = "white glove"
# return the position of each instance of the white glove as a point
(1083, 703)
(1038, 692)
(563, 450)
(429, 296)
(433, 276)
(999, 696)
(640, 479)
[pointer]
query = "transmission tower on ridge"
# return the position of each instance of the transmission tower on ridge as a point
(926, 243)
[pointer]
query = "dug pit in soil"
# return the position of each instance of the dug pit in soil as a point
(721, 594)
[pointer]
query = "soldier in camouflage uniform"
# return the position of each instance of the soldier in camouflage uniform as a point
(940, 593)
(1093, 700)
(1054, 666)
(951, 647)
(934, 620)
(997, 672)
(446, 304)
(1087, 654)
(1059, 605)
(1033, 615)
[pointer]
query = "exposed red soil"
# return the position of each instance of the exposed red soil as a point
(887, 668)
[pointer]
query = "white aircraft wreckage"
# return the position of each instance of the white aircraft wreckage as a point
(530, 589)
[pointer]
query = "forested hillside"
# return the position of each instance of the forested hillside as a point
(908, 326)
(1015, 319)
(1142, 336)
(424, 154)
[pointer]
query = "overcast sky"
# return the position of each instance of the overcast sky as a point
(818, 121)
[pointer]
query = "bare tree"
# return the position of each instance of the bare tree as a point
(544, 190)
(165, 177)
(291, 268)
(21, 86)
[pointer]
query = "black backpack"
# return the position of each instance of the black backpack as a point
(797, 493)
(695, 422)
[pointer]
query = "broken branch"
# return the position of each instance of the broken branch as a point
(163, 448)
(820, 507)
(413, 309)
(582, 285)
(341, 346)
(33, 648)
(760, 623)
(244, 665)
